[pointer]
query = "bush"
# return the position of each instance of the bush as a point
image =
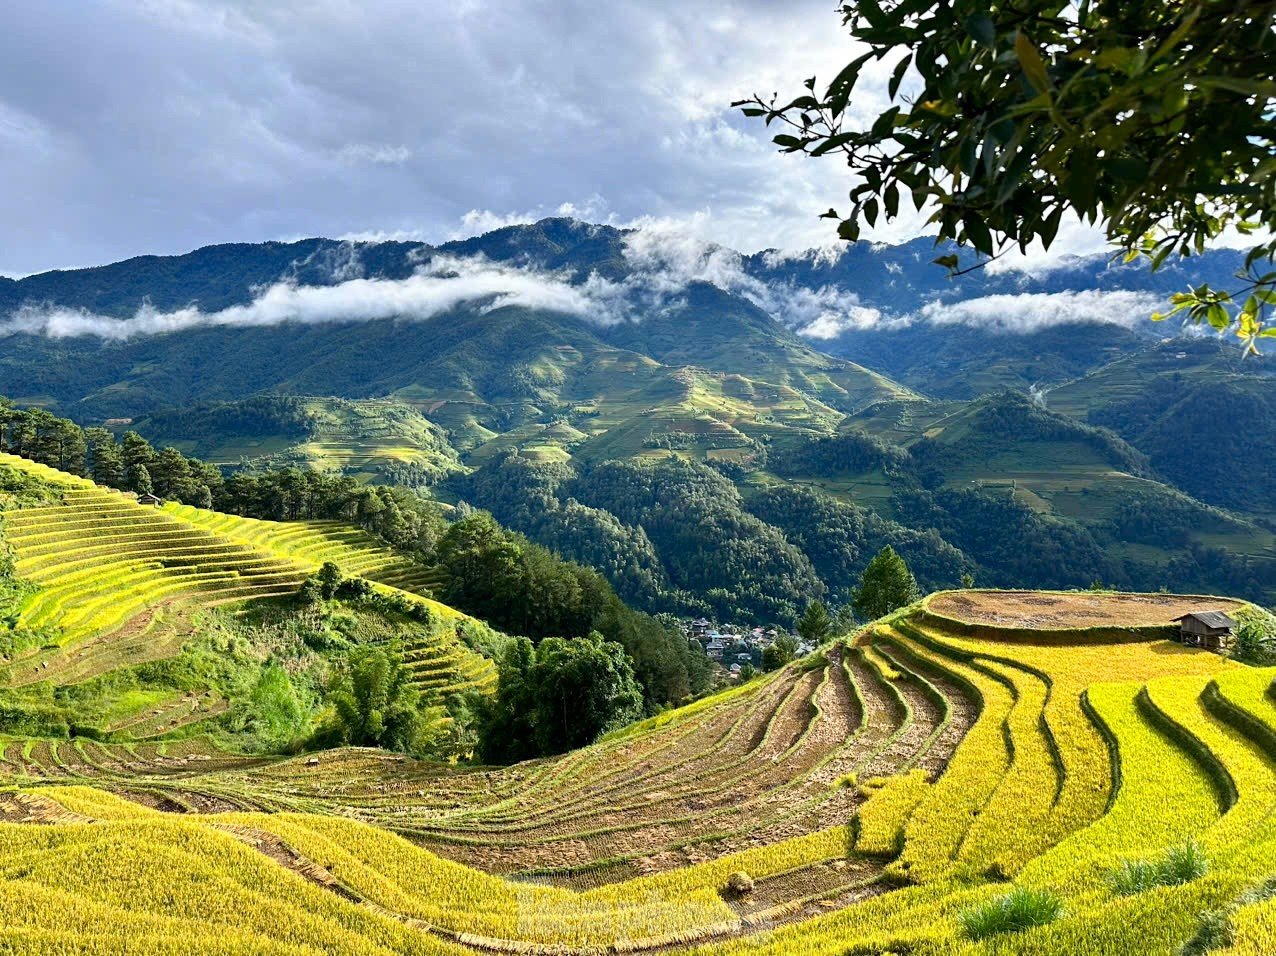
(1182, 864)
(1018, 910)
(1255, 636)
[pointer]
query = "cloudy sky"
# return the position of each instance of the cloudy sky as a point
(157, 126)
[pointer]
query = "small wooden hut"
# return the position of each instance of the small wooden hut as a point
(1211, 630)
(149, 499)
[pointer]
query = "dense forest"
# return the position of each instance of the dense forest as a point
(677, 535)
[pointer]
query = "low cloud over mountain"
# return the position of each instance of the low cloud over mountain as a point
(599, 274)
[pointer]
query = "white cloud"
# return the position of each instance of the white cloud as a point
(830, 324)
(1031, 312)
(443, 285)
(378, 153)
(476, 222)
(387, 118)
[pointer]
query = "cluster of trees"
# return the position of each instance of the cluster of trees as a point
(558, 695)
(525, 589)
(1175, 415)
(849, 453)
(252, 417)
(839, 539)
(41, 436)
(1016, 544)
(372, 702)
(671, 535)
(1006, 421)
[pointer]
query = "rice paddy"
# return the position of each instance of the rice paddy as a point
(982, 773)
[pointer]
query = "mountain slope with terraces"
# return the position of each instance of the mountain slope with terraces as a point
(113, 585)
(877, 796)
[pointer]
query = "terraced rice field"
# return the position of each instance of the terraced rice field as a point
(311, 543)
(107, 568)
(874, 793)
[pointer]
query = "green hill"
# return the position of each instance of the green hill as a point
(126, 613)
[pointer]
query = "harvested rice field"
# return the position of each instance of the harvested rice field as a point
(1046, 610)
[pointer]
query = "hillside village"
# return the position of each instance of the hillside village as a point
(734, 646)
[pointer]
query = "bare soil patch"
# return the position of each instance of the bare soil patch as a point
(1047, 611)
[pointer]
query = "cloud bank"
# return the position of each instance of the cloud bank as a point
(1034, 311)
(663, 261)
(439, 287)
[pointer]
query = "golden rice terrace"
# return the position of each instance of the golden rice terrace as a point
(985, 772)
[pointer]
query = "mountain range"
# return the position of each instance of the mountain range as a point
(718, 432)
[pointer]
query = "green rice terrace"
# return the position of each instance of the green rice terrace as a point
(981, 772)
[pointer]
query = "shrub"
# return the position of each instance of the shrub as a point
(1255, 636)
(1181, 864)
(1014, 912)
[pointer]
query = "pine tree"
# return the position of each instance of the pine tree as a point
(885, 585)
(106, 457)
(816, 625)
(140, 480)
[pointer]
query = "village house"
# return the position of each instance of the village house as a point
(1211, 630)
(149, 499)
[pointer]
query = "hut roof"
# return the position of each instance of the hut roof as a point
(1215, 619)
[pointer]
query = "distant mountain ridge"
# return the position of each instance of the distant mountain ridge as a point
(718, 433)
(882, 275)
(728, 295)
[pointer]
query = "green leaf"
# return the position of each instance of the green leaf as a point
(1050, 228)
(848, 229)
(1033, 66)
(898, 76)
(1114, 58)
(1128, 169)
(982, 29)
(977, 232)
(836, 141)
(1238, 84)
(885, 122)
(872, 13)
(839, 91)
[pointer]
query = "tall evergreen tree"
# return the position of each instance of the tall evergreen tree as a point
(815, 625)
(885, 585)
(105, 458)
(140, 481)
